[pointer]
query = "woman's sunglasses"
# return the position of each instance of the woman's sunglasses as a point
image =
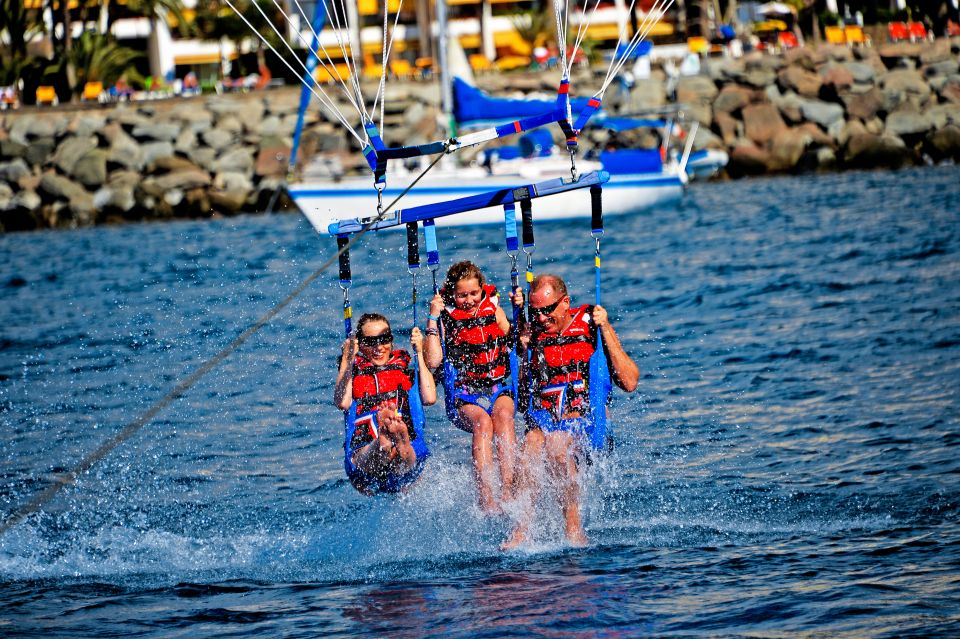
(375, 340)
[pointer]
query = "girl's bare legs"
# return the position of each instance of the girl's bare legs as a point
(527, 482)
(504, 431)
(480, 424)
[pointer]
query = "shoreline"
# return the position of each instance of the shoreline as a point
(815, 109)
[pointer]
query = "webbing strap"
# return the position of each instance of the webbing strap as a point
(374, 134)
(525, 124)
(563, 110)
(433, 251)
(592, 105)
(513, 247)
(526, 214)
(413, 246)
(596, 211)
(596, 224)
(510, 228)
(343, 243)
(345, 277)
(413, 265)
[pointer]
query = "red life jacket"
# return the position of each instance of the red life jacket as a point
(384, 386)
(476, 345)
(561, 365)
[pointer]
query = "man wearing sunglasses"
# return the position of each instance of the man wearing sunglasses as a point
(562, 339)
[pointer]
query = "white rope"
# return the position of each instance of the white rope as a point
(622, 32)
(322, 96)
(582, 30)
(330, 104)
(332, 69)
(561, 34)
(384, 62)
(650, 20)
(385, 59)
(337, 31)
(351, 61)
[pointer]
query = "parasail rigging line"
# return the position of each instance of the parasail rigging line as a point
(62, 480)
(322, 96)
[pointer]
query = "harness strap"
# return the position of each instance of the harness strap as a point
(596, 224)
(413, 264)
(526, 212)
(592, 106)
(510, 228)
(433, 251)
(343, 249)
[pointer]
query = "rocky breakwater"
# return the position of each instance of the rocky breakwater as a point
(830, 107)
(180, 157)
(196, 157)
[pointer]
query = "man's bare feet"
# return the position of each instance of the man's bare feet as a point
(517, 537)
(488, 505)
(577, 537)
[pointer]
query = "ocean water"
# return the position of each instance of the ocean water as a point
(789, 466)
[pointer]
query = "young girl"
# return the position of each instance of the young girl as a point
(384, 451)
(467, 316)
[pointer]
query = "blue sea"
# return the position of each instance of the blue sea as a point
(788, 467)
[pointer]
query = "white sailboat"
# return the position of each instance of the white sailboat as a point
(636, 183)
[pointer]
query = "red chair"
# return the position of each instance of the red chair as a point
(897, 31)
(787, 40)
(953, 28)
(917, 31)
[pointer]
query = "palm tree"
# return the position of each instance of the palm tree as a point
(156, 11)
(97, 57)
(217, 21)
(424, 21)
(534, 26)
(17, 25)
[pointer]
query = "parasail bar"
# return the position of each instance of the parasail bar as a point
(498, 197)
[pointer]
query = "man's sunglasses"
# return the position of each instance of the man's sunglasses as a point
(545, 310)
(375, 340)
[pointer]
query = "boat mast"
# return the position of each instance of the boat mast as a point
(446, 82)
(319, 19)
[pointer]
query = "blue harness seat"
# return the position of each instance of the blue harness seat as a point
(454, 394)
(591, 427)
(388, 482)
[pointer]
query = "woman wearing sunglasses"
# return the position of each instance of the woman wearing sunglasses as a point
(384, 448)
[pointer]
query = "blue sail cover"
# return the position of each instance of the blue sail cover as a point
(473, 106)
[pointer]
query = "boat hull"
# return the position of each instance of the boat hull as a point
(324, 202)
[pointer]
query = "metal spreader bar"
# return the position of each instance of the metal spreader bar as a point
(498, 197)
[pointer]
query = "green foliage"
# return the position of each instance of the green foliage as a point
(829, 19)
(215, 19)
(591, 49)
(535, 27)
(98, 58)
(152, 8)
(17, 26)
